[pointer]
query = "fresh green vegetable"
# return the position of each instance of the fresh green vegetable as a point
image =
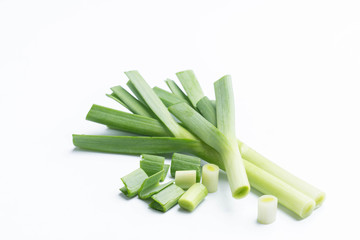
(167, 98)
(167, 198)
(207, 132)
(166, 169)
(133, 89)
(259, 179)
(225, 118)
(152, 164)
(193, 196)
(260, 161)
(156, 105)
(187, 142)
(175, 89)
(207, 109)
(151, 185)
(267, 208)
(149, 126)
(126, 122)
(133, 182)
(185, 179)
(191, 86)
(135, 145)
(288, 196)
(131, 102)
(114, 97)
(210, 177)
(181, 162)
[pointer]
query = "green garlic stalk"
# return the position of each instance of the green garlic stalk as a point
(133, 182)
(210, 177)
(193, 197)
(181, 162)
(185, 179)
(167, 198)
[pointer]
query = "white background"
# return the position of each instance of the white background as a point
(296, 73)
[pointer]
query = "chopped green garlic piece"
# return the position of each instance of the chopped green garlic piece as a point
(210, 177)
(267, 207)
(185, 179)
(181, 162)
(154, 190)
(167, 198)
(151, 164)
(193, 196)
(151, 185)
(133, 182)
(166, 169)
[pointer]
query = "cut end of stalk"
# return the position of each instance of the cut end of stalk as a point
(241, 192)
(267, 198)
(320, 199)
(212, 167)
(307, 210)
(157, 206)
(187, 205)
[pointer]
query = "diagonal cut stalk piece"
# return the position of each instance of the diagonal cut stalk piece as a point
(131, 102)
(114, 97)
(132, 182)
(212, 136)
(213, 102)
(166, 97)
(156, 105)
(191, 86)
(175, 89)
(207, 109)
(151, 185)
(135, 92)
